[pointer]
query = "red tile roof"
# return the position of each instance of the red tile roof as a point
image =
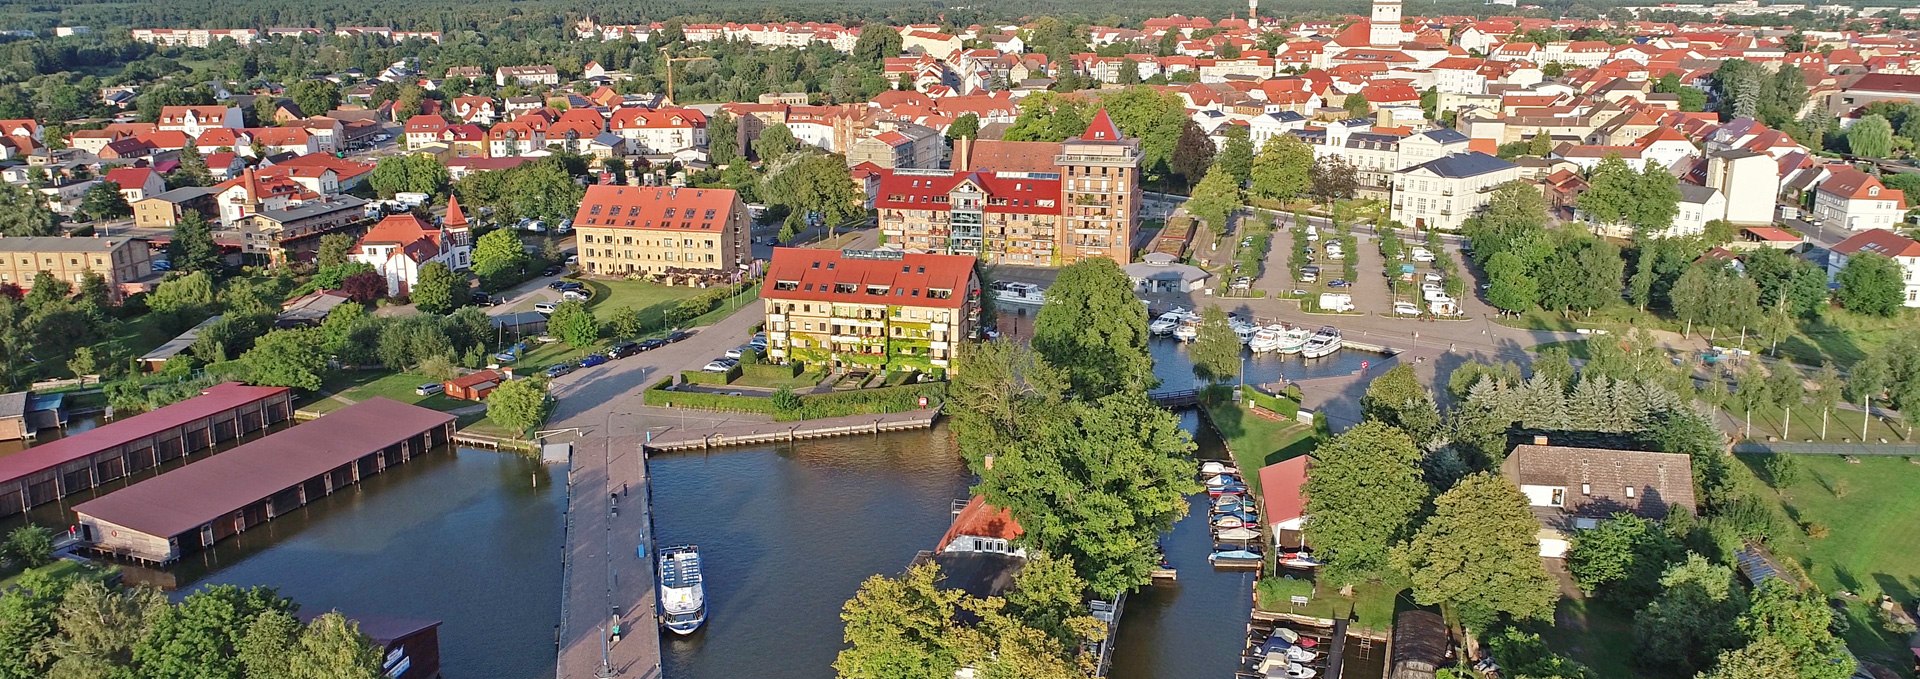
(214, 400)
(1005, 195)
(186, 498)
(656, 208)
(416, 238)
(979, 519)
(1853, 184)
(1283, 489)
(811, 274)
(1879, 241)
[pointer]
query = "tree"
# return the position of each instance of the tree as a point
(543, 190)
(1871, 137)
(1284, 168)
(1622, 558)
(364, 287)
(723, 138)
(1800, 623)
(192, 170)
(434, 293)
(1362, 496)
(27, 621)
(192, 248)
(1334, 178)
(1396, 398)
(1356, 106)
(775, 140)
(877, 43)
(967, 126)
(103, 200)
(499, 259)
(315, 97)
(1097, 482)
(198, 638)
(1513, 288)
(1092, 329)
(98, 629)
(287, 358)
(1870, 283)
(332, 647)
(616, 169)
(572, 322)
(415, 173)
(519, 405)
(1477, 554)
(334, 249)
(1540, 144)
(1525, 656)
(1715, 295)
(1216, 351)
(1692, 620)
(1193, 153)
(186, 299)
(1236, 156)
(1827, 393)
(898, 628)
(815, 184)
(264, 649)
(30, 545)
(1214, 201)
(1785, 280)
(22, 214)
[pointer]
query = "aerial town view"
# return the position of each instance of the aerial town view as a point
(476, 339)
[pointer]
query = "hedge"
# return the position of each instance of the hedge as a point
(771, 371)
(1279, 405)
(711, 378)
(812, 406)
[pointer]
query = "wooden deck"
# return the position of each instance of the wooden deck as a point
(607, 575)
(777, 432)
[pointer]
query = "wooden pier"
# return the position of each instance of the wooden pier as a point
(607, 572)
(781, 432)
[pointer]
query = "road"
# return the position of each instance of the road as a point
(600, 411)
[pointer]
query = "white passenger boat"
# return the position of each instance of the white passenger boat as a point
(1018, 293)
(683, 594)
(1189, 328)
(1167, 322)
(1324, 342)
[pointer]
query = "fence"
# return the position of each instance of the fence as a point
(1766, 448)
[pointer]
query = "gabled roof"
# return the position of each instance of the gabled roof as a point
(1283, 489)
(1879, 241)
(979, 519)
(656, 208)
(1853, 184)
(914, 279)
(1460, 165)
(1596, 480)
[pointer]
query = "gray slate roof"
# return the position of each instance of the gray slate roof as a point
(1462, 165)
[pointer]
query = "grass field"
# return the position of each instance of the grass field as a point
(1843, 425)
(1596, 633)
(1871, 511)
(360, 386)
(1371, 606)
(1835, 335)
(1256, 441)
(60, 568)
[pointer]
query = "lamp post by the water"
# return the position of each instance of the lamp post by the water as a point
(606, 651)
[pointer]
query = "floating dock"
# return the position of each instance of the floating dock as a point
(779, 432)
(79, 462)
(158, 520)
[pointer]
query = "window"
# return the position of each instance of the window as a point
(1559, 497)
(1629, 492)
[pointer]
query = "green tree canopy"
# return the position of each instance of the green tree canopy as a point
(1216, 351)
(572, 322)
(519, 405)
(775, 141)
(1477, 554)
(1397, 399)
(192, 248)
(1623, 557)
(499, 259)
(23, 214)
(1362, 496)
(1214, 201)
(287, 358)
(1871, 137)
(1692, 620)
(1283, 170)
(1093, 328)
(1870, 283)
(435, 293)
(418, 173)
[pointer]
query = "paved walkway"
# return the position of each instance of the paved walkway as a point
(743, 434)
(608, 573)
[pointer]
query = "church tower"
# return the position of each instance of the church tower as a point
(1253, 13)
(1385, 24)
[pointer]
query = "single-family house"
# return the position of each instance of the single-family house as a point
(1901, 249)
(1571, 489)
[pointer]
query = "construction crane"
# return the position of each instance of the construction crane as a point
(670, 61)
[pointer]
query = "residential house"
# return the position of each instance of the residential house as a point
(1442, 193)
(675, 235)
(1872, 87)
(125, 263)
(869, 309)
(165, 210)
(1901, 249)
(194, 120)
(251, 193)
(906, 146)
(399, 246)
(424, 129)
(1698, 205)
(137, 183)
(660, 131)
(1750, 181)
(473, 386)
(1572, 489)
(1283, 501)
(526, 75)
(1857, 201)
(292, 234)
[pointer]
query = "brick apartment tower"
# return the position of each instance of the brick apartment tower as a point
(1099, 193)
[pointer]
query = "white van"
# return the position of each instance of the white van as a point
(1437, 296)
(1336, 301)
(1421, 254)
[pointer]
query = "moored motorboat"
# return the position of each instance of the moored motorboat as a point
(1216, 468)
(1324, 342)
(1166, 323)
(1292, 340)
(1019, 293)
(1235, 557)
(1235, 520)
(1240, 534)
(1300, 559)
(1189, 328)
(683, 595)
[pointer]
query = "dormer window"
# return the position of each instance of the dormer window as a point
(1873, 191)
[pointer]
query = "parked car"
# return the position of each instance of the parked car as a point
(591, 360)
(1405, 309)
(759, 340)
(559, 369)
(1432, 277)
(571, 285)
(383, 138)
(650, 345)
(623, 349)
(1421, 254)
(577, 295)
(550, 271)
(720, 365)
(427, 389)
(1309, 276)
(741, 350)
(1242, 283)
(558, 285)
(480, 297)
(545, 308)
(1338, 283)
(162, 265)
(678, 335)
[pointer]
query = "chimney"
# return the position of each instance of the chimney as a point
(963, 154)
(1539, 440)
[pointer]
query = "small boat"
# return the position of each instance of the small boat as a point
(1276, 667)
(1279, 650)
(1019, 293)
(1241, 534)
(1167, 322)
(1292, 340)
(683, 595)
(1284, 634)
(1189, 328)
(1216, 468)
(1235, 520)
(1324, 342)
(1235, 488)
(1265, 339)
(1302, 559)
(1235, 557)
(1230, 508)
(1221, 479)
(1228, 499)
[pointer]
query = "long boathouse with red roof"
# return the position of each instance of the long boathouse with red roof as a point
(191, 508)
(57, 469)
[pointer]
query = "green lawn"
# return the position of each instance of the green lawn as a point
(1371, 606)
(363, 385)
(1257, 441)
(1872, 513)
(60, 568)
(1835, 335)
(1598, 634)
(1843, 425)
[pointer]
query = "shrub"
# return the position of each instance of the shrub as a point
(1817, 530)
(1278, 405)
(710, 378)
(785, 400)
(770, 371)
(1782, 469)
(30, 546)
(812, 406)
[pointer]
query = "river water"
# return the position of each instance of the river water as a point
(473, 538)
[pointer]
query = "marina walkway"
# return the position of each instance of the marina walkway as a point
(770, 432)
(609, 578)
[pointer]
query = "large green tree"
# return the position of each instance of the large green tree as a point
(1477, 554)
(1093, 328)
(499, 259)
(1871, 137)
(435, 291)
(1692, 620)
(1714, 294)
(1214, 201)
(98, 627)
(199, 637)
(23, 214)
(1216, 350)
(104, 201)
(1398, 399)
(192, 248)
(1623, 558)
(1800, 623)
(815, 183)
(1870, 283)
(1362, 496)
(1236, 155)
(573, 323)
(287, 358)
(519, 405)
(898, 628)
(723, 139)
(1283, 170)
(418, 173)
(775, 141)
(315, 97)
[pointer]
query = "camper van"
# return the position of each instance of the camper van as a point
(1336, 301)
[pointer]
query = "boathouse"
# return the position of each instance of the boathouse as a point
(191, 508)
(78, 462)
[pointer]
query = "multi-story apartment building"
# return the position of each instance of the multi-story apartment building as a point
(675, 235)
(660, 131)
(195, 37)
(1442, 193)
(124, 262)
(1901, 249)
(526, 75)
(1025, 203)
(869, 309)
(293, 233)
(1857, 201)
